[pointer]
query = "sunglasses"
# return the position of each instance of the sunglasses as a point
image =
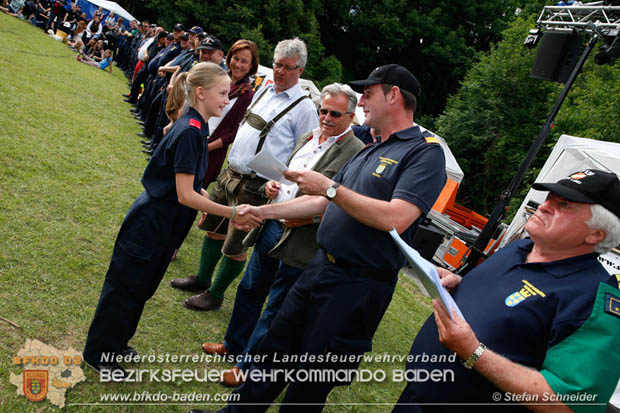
(334, 113)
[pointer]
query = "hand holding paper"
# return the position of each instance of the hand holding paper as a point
(427, 273)
(267, 165)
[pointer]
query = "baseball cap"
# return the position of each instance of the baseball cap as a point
(179, 27)
(211, 43)
(161, 34)
(391, 74)
(170, 36)
(196, 30)
(185, 36)
(590, 186)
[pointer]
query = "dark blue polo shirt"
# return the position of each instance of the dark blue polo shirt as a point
(164, 57)
(183, 150)
(362, 132)
(519, 310)
(407, 167)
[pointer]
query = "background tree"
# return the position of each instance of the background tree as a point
(497, 113)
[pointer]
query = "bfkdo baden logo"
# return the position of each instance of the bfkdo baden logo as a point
(35, 384)
(47, 372)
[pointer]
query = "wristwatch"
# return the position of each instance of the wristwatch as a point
(469, 363)
(330, 192)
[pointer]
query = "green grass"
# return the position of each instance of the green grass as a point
(70, 165)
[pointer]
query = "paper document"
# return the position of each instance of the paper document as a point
(267, 165)
(427, 273)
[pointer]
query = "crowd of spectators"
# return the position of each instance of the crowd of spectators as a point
(67, 22)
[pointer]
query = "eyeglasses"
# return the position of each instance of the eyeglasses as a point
(280, 66)
(334, 113)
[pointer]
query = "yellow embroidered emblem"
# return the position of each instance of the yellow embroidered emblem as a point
(384, 163)
(528, 290)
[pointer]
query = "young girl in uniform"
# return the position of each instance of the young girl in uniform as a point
(159, 218)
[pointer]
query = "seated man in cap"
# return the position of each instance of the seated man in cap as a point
(546, 310)
(329, 317)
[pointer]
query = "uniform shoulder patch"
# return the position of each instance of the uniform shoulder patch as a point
(612, 305)
(431, 139)
(195, 123)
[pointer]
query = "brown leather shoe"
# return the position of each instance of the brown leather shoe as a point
(215, 348)
(232, 377)
(190, 283)
(203, 302)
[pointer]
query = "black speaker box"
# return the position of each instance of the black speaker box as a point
(426, 241)
(557, 55)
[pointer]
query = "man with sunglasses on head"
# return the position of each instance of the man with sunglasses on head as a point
(284, 248)
(329, 317)
(279, 114)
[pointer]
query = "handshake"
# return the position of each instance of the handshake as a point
(247, 217)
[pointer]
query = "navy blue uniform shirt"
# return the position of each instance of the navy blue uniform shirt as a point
(183, 150)
(519, 310)
(405, 167)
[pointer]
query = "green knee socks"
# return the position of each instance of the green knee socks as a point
(210, 255)
(228, 271)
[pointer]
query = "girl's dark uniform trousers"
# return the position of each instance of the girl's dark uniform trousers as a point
(151, 230)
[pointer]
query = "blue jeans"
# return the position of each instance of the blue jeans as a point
(264, 276)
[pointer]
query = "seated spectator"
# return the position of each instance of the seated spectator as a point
(93, 29)
(106, 63)
(110, 22)
(94, 50)
(76, 40)
(43, 11)
(14, 8)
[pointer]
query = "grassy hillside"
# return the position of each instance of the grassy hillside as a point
(70, 165)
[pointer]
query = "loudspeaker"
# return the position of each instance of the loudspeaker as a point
(426, 241)
(557, 55)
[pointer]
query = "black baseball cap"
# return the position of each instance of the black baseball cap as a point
(211, 43)
(590, 186)
(179, 27)
(161, 34)
(391, 74)
(196, 30)
(185, 36)
(170, 36)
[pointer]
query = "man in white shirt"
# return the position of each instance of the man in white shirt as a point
(278, 115)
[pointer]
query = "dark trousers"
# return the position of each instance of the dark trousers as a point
(329, 310)
(142, 253)
(263, 276)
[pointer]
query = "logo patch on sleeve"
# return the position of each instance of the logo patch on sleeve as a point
(195, 123)
(431, 139)
(612, 305)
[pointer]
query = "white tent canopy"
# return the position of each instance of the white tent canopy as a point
(109, 6)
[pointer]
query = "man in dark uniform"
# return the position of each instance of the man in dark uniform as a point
(284, 249)
(546, 310)
(336, 305)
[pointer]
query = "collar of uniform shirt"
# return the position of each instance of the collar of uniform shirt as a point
(337, 137)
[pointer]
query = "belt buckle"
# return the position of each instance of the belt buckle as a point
(330, 258)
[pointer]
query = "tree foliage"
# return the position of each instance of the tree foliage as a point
(435, 39)
(497, 113)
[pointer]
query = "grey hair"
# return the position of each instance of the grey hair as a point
(292, 49)
(605, 220)
(340, 89)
